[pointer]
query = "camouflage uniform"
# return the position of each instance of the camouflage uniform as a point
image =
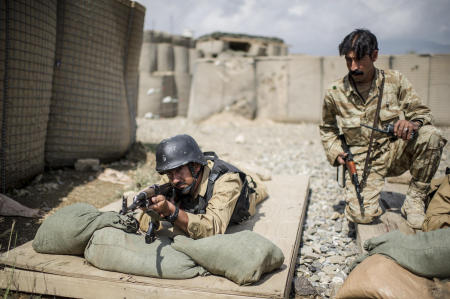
(344, 109)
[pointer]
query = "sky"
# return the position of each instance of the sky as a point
(313, 27)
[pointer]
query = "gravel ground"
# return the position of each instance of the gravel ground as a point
(327, 248)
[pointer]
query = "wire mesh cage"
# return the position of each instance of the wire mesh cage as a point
(91, 113)
(27, 38)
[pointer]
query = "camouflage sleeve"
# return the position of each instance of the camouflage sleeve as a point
(411, 104)
(329, 131)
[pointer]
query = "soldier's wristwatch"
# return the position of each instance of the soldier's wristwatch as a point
(173, 217)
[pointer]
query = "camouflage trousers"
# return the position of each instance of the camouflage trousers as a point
(421, 156)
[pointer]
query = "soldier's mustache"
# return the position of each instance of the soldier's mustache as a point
(178, 185)
(356, 73)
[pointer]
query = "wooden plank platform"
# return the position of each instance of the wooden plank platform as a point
(391, 200)
(279, 218)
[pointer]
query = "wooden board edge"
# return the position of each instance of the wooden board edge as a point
(59, 285)
(290, 277)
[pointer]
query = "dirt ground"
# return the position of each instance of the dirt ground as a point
(58, 188)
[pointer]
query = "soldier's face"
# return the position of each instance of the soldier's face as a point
(361, 70)
(181, 177)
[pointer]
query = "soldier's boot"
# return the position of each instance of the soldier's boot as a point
(414, 206)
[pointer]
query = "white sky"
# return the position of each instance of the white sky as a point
(314, 27)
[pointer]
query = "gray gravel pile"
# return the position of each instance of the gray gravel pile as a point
(326, 249)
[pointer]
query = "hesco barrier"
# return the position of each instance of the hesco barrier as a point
(90, 116)
(131, 60)
(27, 50)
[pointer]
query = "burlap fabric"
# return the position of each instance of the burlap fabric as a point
(241, 257)
(70, 228)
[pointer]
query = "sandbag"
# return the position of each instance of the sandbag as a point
(438, 209)
(68, 230)
(115, 250)
(381, 277)
(241, 257)
(424, 253)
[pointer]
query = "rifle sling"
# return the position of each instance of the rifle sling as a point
(375, 124)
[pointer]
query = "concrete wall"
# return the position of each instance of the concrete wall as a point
(165, 74)
(440, 88)
(219, 84)
(291, 88)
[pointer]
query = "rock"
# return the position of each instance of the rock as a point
(303, 287)
(239, 139)
(330, 270)
(336, 259)
(87, 164)
(114, 176)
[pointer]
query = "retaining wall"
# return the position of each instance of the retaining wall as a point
(219, 85)
(291, 88)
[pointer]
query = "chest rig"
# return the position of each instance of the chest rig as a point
(198, 206)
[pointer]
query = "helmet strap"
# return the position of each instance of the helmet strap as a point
(190, 188)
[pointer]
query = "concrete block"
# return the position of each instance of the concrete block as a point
(148, 59)
(272, 88)
(153, 90)
(182, 91)
(273, 50)
(257, 50)
(334, 68)
(284, 51)
(181, 56)
(165, 57)
(222, 84)
(383, 62)
(304, 89)
(211, 48)
(440, 88)
(194, 54)
(417, 69)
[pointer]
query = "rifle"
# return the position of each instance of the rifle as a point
(388, 130)
(142, 200)
(351, 167)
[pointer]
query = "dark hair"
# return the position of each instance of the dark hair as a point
(362, 41)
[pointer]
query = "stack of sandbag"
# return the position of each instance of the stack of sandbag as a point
(380, 277)
(402, 266)
(68, 230)
(115, 250)
(438, 208)
(110, 242)
(242, 257)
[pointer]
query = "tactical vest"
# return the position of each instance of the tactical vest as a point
(240, 212)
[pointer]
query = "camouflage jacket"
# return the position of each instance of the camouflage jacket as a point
(344, 110)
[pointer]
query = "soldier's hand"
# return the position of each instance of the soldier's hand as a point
(341, 158)
(160, 205)
(404, 129)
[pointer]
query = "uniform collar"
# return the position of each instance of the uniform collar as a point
(349, 89)
(201, 191)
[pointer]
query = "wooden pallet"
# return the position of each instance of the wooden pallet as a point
(279, 218)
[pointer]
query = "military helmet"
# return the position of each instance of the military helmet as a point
(176, 151)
